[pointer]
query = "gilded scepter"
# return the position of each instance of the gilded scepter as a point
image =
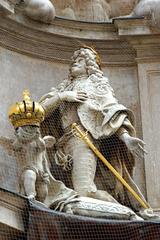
(85, 138)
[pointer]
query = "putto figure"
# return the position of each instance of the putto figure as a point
(36, 180)
(35, 177)
(87, 98)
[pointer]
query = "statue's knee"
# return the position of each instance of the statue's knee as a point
(29, 175)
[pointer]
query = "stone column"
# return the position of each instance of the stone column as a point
(148, 57)
(146, 42)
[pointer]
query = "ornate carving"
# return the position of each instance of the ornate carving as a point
(95, 208)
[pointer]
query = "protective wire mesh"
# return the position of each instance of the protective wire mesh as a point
(30, 219)
(38, 222)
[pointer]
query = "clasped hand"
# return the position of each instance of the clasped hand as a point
(73, 96)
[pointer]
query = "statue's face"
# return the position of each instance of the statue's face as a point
(27, 133)
(78, 67)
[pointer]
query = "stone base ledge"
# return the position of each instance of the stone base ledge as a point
(13, 212)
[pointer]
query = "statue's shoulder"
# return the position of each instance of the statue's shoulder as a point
(48, 95)
(63, 86)
(98, 78)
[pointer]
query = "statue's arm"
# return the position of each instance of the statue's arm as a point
(53, 100)
(134, 144)
(50, 103)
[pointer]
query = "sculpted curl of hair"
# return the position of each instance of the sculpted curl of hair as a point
(93, 69)
(90, 59)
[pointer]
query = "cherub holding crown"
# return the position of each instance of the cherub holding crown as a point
(35, 178)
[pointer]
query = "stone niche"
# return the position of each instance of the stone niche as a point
(36, 56)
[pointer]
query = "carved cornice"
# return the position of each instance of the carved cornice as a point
(56, 42)
(120, 43)
(147, 48)
(143, 37)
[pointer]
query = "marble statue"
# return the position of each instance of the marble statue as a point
(87, 98)
(103, 10)
(39, 10)
(136, 8)
(36, 180)
(121, 8)
(150, 8)
(92, 11)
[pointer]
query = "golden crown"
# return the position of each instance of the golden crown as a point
(26, 112)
